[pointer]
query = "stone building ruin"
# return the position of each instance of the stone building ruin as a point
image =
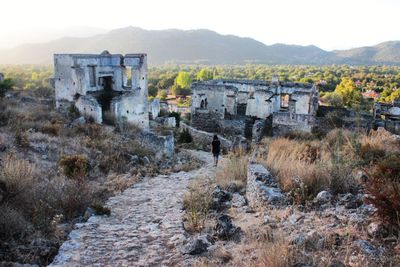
(97, 84)
(285, 105)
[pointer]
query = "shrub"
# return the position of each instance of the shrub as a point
(12, 223)
(383, 187)
(197, 203)
(17, 175)
(75, 198)
(21, 139)
(75, 167)
(52, 128)
(44, 92)
(185, 136)
(334, 119)
(99, 209)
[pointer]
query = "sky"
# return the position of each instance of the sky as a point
(328, 24)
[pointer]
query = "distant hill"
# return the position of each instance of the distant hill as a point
(198, 46)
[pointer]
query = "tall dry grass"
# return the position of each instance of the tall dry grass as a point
(233, 171)
(304, 167)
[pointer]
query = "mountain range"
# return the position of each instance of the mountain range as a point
(198, 47)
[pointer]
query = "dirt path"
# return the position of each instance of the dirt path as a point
(144, 228)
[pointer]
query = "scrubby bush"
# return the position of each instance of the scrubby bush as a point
(17, 175)
(197, 203)
(185, 136)
(100, 209)
(12, 223)
(52, 128)
(75, 167)
(383, 188)
(21, 139)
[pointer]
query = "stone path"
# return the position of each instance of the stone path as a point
(144, 228)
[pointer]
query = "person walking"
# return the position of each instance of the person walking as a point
(215, 149)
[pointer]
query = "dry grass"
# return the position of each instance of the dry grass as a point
(233, 171)
(306, 167)
(197, 203)
(17, 175)
(298, 167)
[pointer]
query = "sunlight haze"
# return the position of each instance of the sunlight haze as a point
(327, 24)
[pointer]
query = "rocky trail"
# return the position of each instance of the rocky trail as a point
(144, 228)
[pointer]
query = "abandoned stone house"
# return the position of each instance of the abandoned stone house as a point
(292, 106)
(101, 84)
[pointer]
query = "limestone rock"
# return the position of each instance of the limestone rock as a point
(262, 188)
(198, 245)
(367, 248)
(377, 229)
(238, 200)
(225, 229)
(323, 197)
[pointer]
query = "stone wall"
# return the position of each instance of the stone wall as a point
(262, 188)
(206, 120)
(204, 139)
(162, 146)
(89, 107)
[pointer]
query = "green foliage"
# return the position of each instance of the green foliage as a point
(204, 75)
(75, 167)
(183, 80)
(177, 90)
(350, 95)
(185, 136)
(162, 95)
(5, 85)
(177, 116)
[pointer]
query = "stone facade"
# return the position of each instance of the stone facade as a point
(289, 104)
(96, 84)
(387, 115)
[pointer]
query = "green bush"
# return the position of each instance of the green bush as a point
(185, 136)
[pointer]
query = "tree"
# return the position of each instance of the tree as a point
(183, 80)
(349, 93)
(5, 85)
(178, 90)
(204, 75)
(333, 99)
(162, 95)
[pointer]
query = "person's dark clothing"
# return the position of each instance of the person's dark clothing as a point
(216, 147)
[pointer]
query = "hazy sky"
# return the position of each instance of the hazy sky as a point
(329, 24)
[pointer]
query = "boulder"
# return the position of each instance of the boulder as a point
(238, 200)
(323, 197)
(220, 197)
(262, 188)
(198, 245)
(367, 248)
(350, 201)
(377, 229)
(225, 229)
